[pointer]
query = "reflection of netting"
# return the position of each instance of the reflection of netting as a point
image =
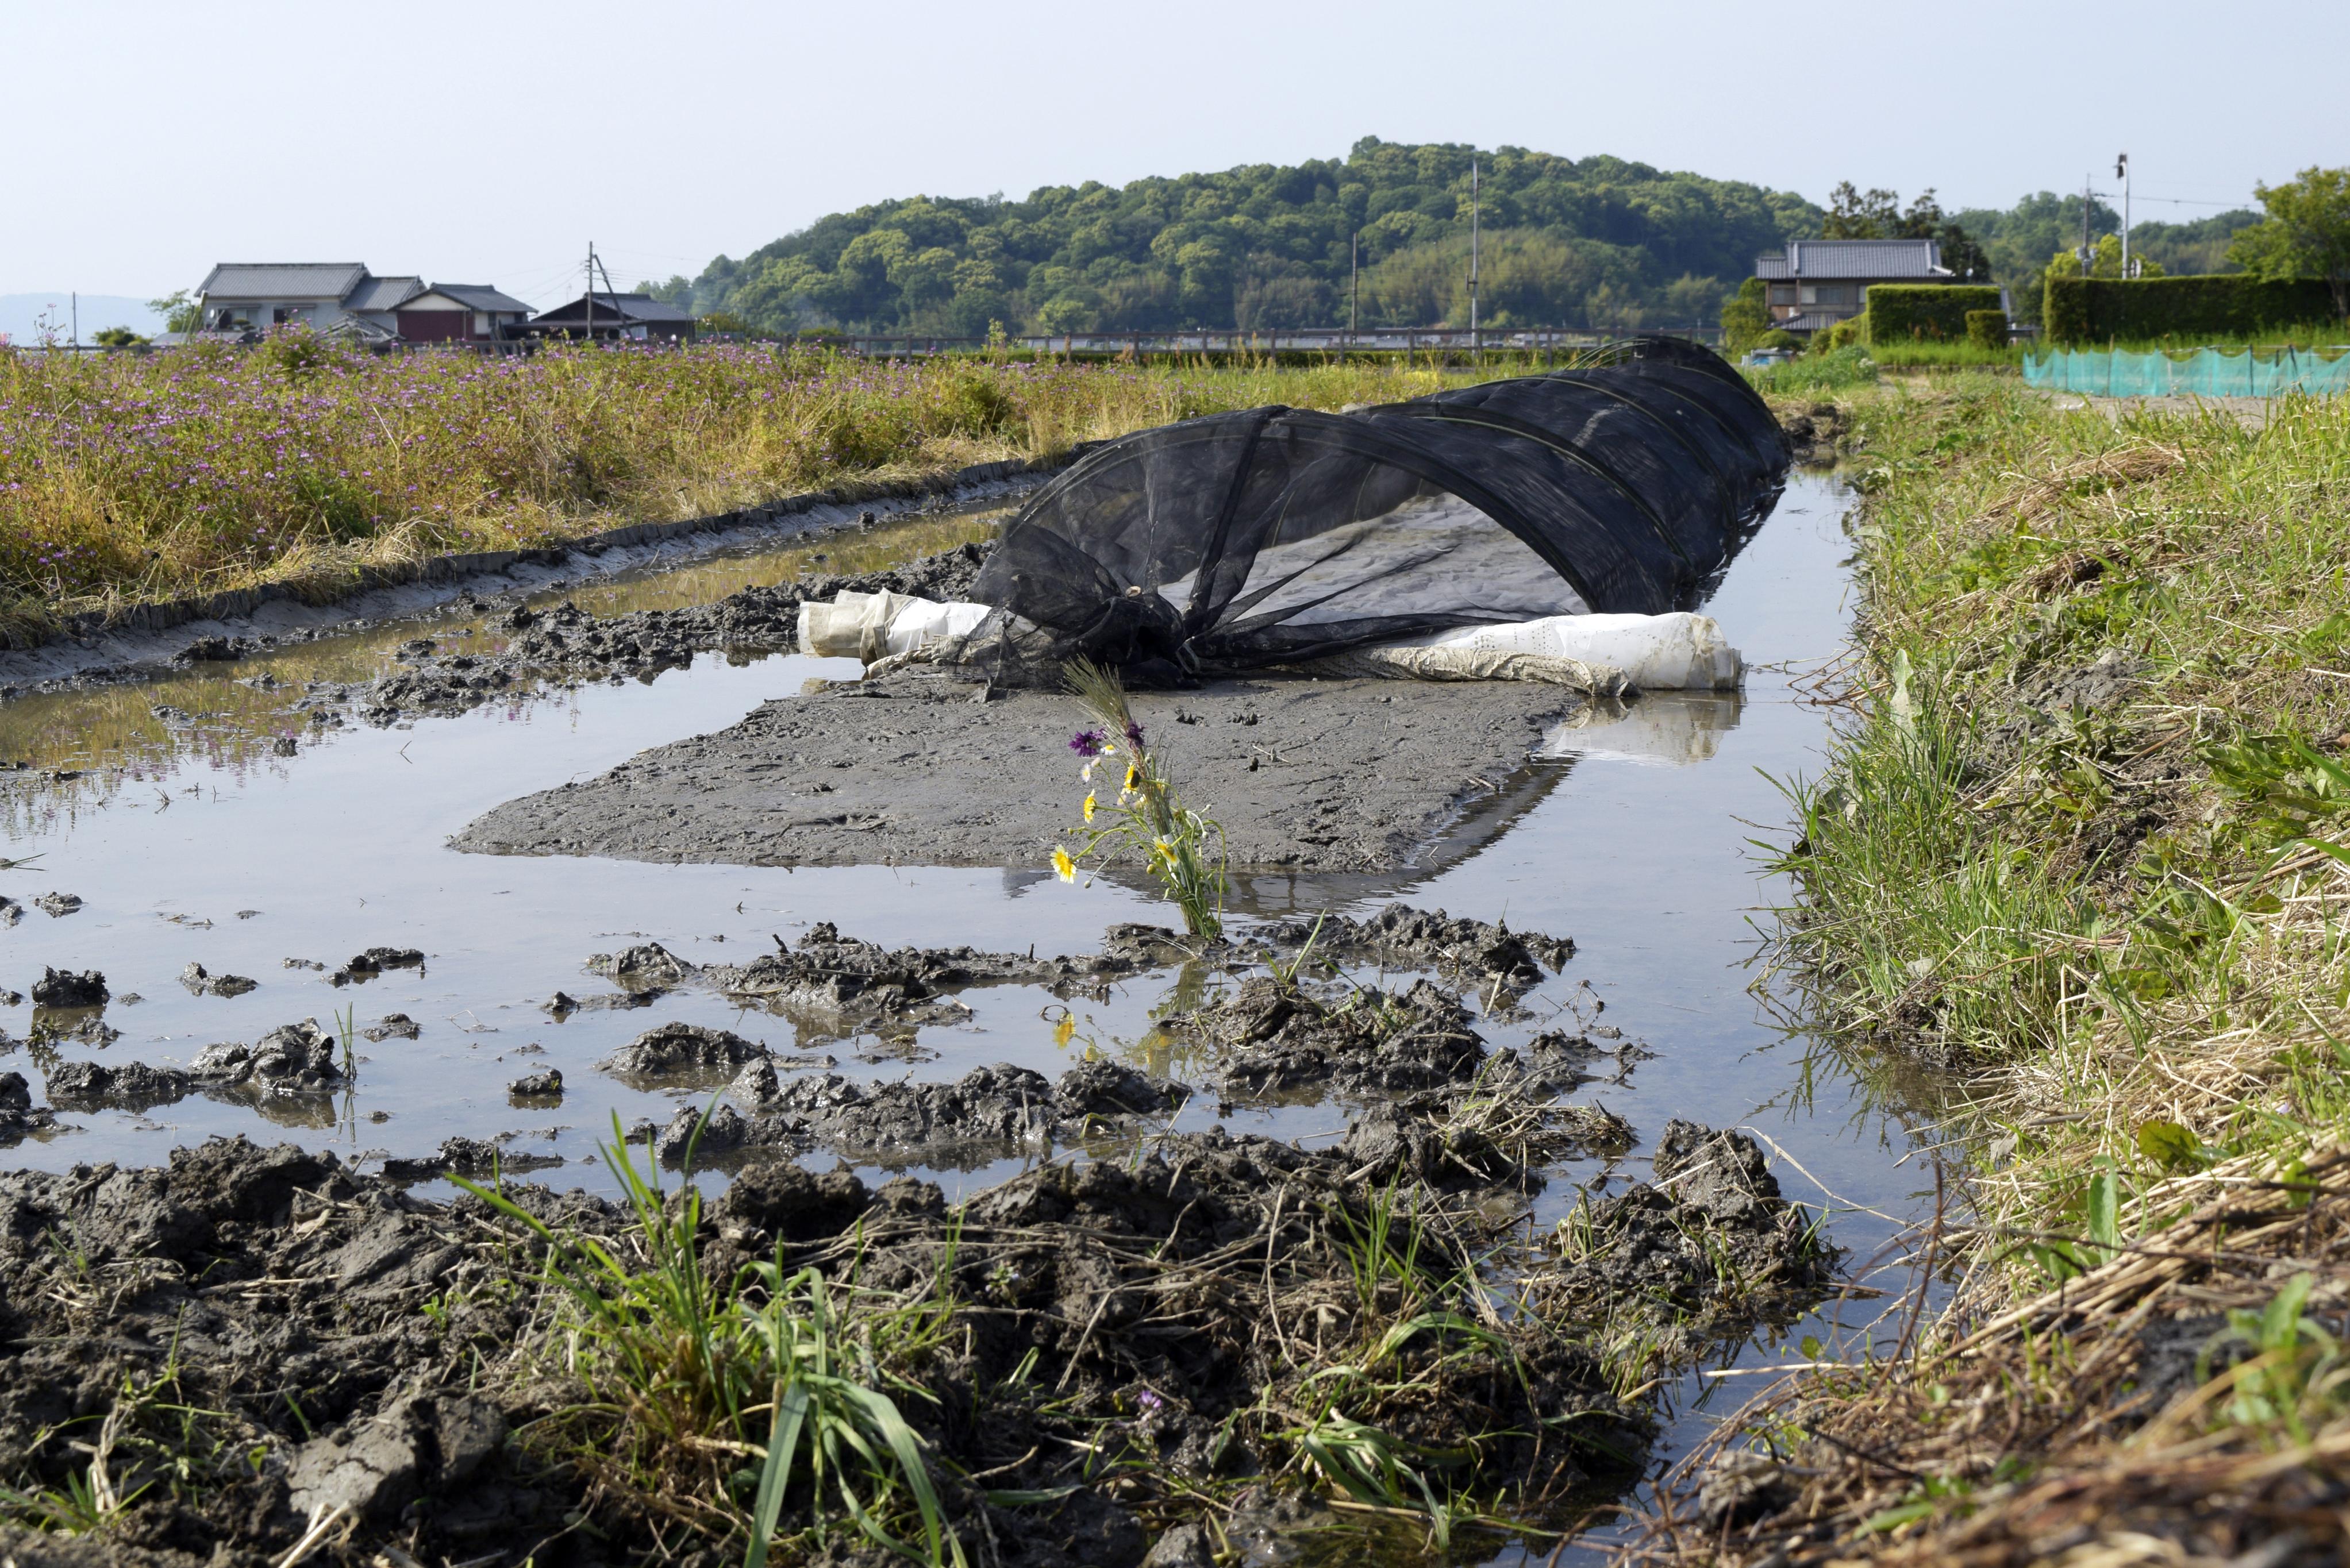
(1272, 534)
(2193, 373)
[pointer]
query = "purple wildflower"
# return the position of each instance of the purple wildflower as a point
(1133, 734)
(1089, 743)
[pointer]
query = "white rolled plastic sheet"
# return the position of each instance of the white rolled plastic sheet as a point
(1681, 651)
(871, 627)
(1604, 654)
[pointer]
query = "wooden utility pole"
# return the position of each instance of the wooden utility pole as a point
(590, 332)
(1353, 285)
(1476, 352)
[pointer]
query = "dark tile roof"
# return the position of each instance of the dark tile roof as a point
(384, 293)
(628, 306)
(479, 297)
(1868, 261)
(282, 280)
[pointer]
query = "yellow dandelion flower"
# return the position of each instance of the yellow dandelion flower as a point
(1065, 1030)
(1133, 776)
(1063, 867)
(1089, 808)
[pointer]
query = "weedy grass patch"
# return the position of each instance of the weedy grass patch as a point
(2084, 838)
(130, 477)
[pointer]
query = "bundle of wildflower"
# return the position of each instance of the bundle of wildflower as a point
(1148, 816)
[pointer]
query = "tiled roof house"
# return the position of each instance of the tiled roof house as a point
(1814, 284)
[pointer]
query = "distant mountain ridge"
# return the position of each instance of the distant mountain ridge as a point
(1598, 242)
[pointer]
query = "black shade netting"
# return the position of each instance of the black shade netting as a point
(1275, 534)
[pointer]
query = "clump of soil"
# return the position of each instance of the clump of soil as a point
(675, 1049)
(1706, 1252)
(1815, 432)
(19, 1118)
(60, 988)
(646, 970)
(1400, 936)
(1274, 1036)
(133, 1087)
(835, 985)
(469, 1157)
(366, 966)
(996, 1105)
(294, 1058)
(201, 981)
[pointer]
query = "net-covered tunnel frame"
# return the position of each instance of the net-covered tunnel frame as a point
(1624, 484)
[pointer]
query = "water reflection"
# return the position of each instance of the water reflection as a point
(1668, 729)
(68, 751)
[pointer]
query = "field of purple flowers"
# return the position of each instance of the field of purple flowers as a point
(126, 477)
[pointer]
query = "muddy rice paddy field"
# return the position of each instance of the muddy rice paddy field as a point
(1465, 1185)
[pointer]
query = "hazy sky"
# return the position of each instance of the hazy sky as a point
(489, 142)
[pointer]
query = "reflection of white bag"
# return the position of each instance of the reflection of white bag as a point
(871, 627)
(1679, 651)
(1665, 728)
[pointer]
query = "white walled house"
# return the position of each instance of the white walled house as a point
(325, 297)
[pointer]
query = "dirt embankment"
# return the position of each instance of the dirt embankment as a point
(1323, 775)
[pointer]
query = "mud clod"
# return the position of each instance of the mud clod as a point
(541, 1085)
(57, 905)
(134, 1087)
(1400, 936)
(18, 1115)
(469, 1157)
(60, 988)
(366, 966)
(292, 1058)
(392, 1026)
(672, 1049)
(646, 967)
(1275, 1035)
(201, 982)
(1711, 1249)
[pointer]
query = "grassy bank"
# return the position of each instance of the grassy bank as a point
(132, 477)
(2085, 839)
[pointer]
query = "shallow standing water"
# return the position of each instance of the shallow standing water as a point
(192, 840)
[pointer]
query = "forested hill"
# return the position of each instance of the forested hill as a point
(1569, 241)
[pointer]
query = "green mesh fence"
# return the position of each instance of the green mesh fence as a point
(2192, 372)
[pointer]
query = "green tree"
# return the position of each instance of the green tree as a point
(117, 338)
(179, 313)
(1266, 245)
(2307, 234)
(2105, 261)
(1855, 214)
(1746, 318)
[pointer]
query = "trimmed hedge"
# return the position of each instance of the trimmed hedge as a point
(1987, 328)
(2088, 310)
(1900, 312)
